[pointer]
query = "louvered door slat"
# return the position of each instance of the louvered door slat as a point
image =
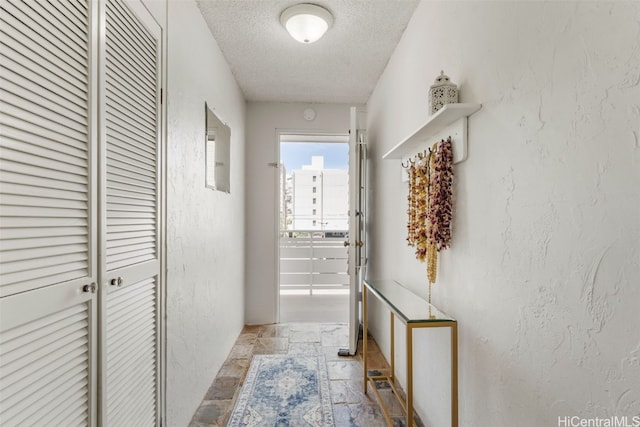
(54, 122)
(142, 408)
(132, 25)
(44, 36)
(128, 44)
(12, 223)
(121, 302)
(138, 106)
(124, 315)
(16, 234)
(14, 83)
(130, 192)
(56, 23)
(64, 415)
(21, 400)
(148, 235)
(130, 176)
(122, 88)
(40, 161)
(36, 184)
(78, 9)
(41, 252)
(140, 151)
(12, 213)
(126, 67)
(118, 208)
(60, 150)
(136, 124)
(24, 374)
(124, 204)
(58, 207)
(114, 214)
(127, 160)
(62, 15)
(130, 366)
(131, 352)
(40, 48)
(26, 192)
(116, 244)
(68, 420)
(124, 183)
(32, 70)
(127, 47)
(122, 135)
(56, 196)
(45, 341)
(52, 380)
(9, 244)
(129, 250)
(43, 108)
(134, 340)
(56, 178)
(71, 391)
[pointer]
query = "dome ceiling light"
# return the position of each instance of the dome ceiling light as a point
(306, 22)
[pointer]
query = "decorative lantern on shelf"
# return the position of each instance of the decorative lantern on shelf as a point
(442, 92)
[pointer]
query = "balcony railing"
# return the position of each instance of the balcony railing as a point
(313, 262)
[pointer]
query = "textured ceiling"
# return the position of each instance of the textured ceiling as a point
(343, 66)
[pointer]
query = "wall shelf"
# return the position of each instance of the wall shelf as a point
(451, 120)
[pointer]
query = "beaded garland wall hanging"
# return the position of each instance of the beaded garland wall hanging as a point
(430, 205)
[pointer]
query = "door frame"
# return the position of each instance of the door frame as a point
(277, 166)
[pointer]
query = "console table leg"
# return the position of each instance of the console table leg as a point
(409, 330)
(364, 337)
(393, 347)
(454, 374)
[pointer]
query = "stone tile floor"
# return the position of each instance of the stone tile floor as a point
(351, 407)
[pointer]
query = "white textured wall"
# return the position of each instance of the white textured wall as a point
(544, 270)
(264, 119)
(205, 229)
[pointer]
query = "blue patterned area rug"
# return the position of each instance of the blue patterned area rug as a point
(284, 391)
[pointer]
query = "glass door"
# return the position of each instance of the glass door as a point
(313, 225)
(355, 242)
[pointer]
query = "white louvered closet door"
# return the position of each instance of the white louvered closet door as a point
(130, 181)
(48, 256)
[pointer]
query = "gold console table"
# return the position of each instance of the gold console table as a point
(414, 312)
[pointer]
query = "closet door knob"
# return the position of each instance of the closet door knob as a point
(89, 288)
(116, 281)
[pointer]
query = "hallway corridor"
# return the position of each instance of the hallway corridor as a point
(350, 405)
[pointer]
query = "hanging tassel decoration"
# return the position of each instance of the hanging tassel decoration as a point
(441, 197)
(430, 206)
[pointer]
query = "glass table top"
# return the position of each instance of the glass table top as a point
(411, 307)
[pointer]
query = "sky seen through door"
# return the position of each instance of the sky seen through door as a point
(296, 154)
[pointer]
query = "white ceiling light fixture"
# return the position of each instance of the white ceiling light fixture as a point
(306, 22)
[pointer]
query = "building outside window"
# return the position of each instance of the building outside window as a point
(317, 204)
